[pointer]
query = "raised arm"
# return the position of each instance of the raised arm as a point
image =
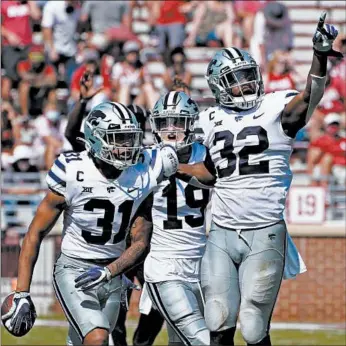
(75, 117)
(299, 110)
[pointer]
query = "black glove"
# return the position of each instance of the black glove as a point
(21, 316)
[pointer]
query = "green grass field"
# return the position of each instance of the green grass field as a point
(56, 336)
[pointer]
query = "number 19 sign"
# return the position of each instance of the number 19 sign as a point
(306, 205)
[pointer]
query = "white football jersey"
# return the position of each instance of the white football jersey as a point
(99, 210)
(178, 216)
(251, 154)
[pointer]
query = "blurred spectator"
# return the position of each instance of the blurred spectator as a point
(245, 14)
(51, 139)
(329, 152)
(279, 74)
(101, 78)
(177, 68)
(59, 25)
(179, 85)
(333, 101)
(110, 21)
(38, 82)
(212, 25)
(16, 35)
(9, 124)
(22, 160)
(338, 71)
(131, 79)
(272, 31)
(105, 15)
(169, 21)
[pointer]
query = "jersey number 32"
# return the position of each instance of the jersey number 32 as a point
(228, 151)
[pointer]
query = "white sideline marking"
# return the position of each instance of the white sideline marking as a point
(274, 326)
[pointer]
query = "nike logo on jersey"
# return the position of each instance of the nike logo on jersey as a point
(131, 189)
(110, 189)
(257, 116)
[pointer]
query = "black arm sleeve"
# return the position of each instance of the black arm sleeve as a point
(75, 118)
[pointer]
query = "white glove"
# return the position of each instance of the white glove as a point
(324, 37)
(169, 159)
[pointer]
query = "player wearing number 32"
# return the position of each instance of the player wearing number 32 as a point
(101, 190)
(172, 267)
(250, 135)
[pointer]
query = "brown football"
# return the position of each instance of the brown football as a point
(6, 304)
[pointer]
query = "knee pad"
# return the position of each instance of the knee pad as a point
(216, 314)
(264, 342)
(252, 325)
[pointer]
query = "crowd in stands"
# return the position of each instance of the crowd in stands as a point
(48, 45)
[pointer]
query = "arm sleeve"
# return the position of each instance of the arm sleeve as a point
(48, 16)
(56, 176)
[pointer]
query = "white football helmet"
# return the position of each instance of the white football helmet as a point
(234, 69)
(113, 135)
(172, 119)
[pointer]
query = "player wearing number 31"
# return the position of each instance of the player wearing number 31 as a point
(250, 135)
(101, 191)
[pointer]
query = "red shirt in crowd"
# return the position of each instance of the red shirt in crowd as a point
(338, 76)
(25, 67)
(16, 18)
(170, 13)
(336, 146)
(103, 79)
(279, 82)
(331, 100)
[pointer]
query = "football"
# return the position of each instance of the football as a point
(6, 304)
(25, 308)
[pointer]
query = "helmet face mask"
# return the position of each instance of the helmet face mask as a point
(113, 135)
(173, 123)
(235, 79)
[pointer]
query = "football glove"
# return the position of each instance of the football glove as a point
(21, 316)
(170, 160)
(324, 37)
(92, 278)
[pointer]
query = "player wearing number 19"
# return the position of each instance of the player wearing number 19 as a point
(250, 137)
(100, 191)
(171, 269)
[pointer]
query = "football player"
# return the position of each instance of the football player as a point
(143, 334)
(250, 135)
(101, 191)
(172, 267)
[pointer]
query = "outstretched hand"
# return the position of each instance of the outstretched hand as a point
(324, 37)
(87, 89)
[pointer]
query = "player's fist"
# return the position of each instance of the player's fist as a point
(170, 160)
(92, 278)
(87, 89)
(18, 313)
(324, 37)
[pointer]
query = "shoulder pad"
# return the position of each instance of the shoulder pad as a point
(56, 176)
